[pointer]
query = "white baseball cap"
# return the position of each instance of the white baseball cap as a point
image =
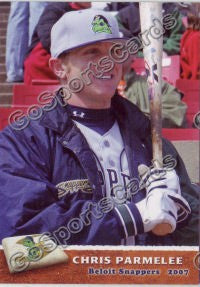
(79, 28)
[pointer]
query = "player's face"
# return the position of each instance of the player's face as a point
(98, 94)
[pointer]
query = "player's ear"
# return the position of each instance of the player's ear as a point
(59, 68)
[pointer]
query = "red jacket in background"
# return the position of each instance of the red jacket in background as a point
(36, 66)
(190, 56)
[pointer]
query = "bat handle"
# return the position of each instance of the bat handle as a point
(161, 229)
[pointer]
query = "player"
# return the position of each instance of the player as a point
(74, 172)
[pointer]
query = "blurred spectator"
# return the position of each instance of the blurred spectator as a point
(129, 22)
(183, 7)
(116, 6)
(190, 45)
(99, 5)
(21, 23)
(173, 109)
(136, 90)
(36, 65)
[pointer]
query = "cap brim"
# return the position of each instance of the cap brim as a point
(120, 39)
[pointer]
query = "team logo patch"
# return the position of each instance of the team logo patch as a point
(34, 250)
(31, 251)
(73, 186)
(100, 25)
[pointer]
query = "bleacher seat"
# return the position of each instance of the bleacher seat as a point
(44, 82)
(191, 91)
(170, 68)
(5, 113)
(186, 85)
(28, 94)
(181, 134)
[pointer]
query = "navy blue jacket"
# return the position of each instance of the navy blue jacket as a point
(52, 150)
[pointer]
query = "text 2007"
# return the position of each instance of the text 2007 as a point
(178, 272)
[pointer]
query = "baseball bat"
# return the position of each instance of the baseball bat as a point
(152, 40)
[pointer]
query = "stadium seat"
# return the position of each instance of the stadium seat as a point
(170, 68)
(138, 66)
(6, 113)
(44, 82)
(181, 134)
(186, 85)
(28, 94)
(191, 91)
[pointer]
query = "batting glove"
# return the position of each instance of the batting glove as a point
(163, 202)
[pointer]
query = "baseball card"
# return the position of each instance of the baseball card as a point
(99, 143)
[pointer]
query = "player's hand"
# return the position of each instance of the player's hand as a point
(163, 202)
(159, 178)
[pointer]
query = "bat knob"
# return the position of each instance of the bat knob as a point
(162, 229)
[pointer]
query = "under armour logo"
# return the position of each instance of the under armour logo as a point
(78, 114)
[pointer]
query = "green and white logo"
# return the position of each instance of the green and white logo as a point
(100, 25)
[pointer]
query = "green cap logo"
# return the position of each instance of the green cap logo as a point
(100, 25)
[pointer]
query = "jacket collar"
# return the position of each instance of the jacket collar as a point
(59, 118)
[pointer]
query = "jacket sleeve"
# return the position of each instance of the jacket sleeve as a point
(30, 204)
(187, 233)
(52, 13)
